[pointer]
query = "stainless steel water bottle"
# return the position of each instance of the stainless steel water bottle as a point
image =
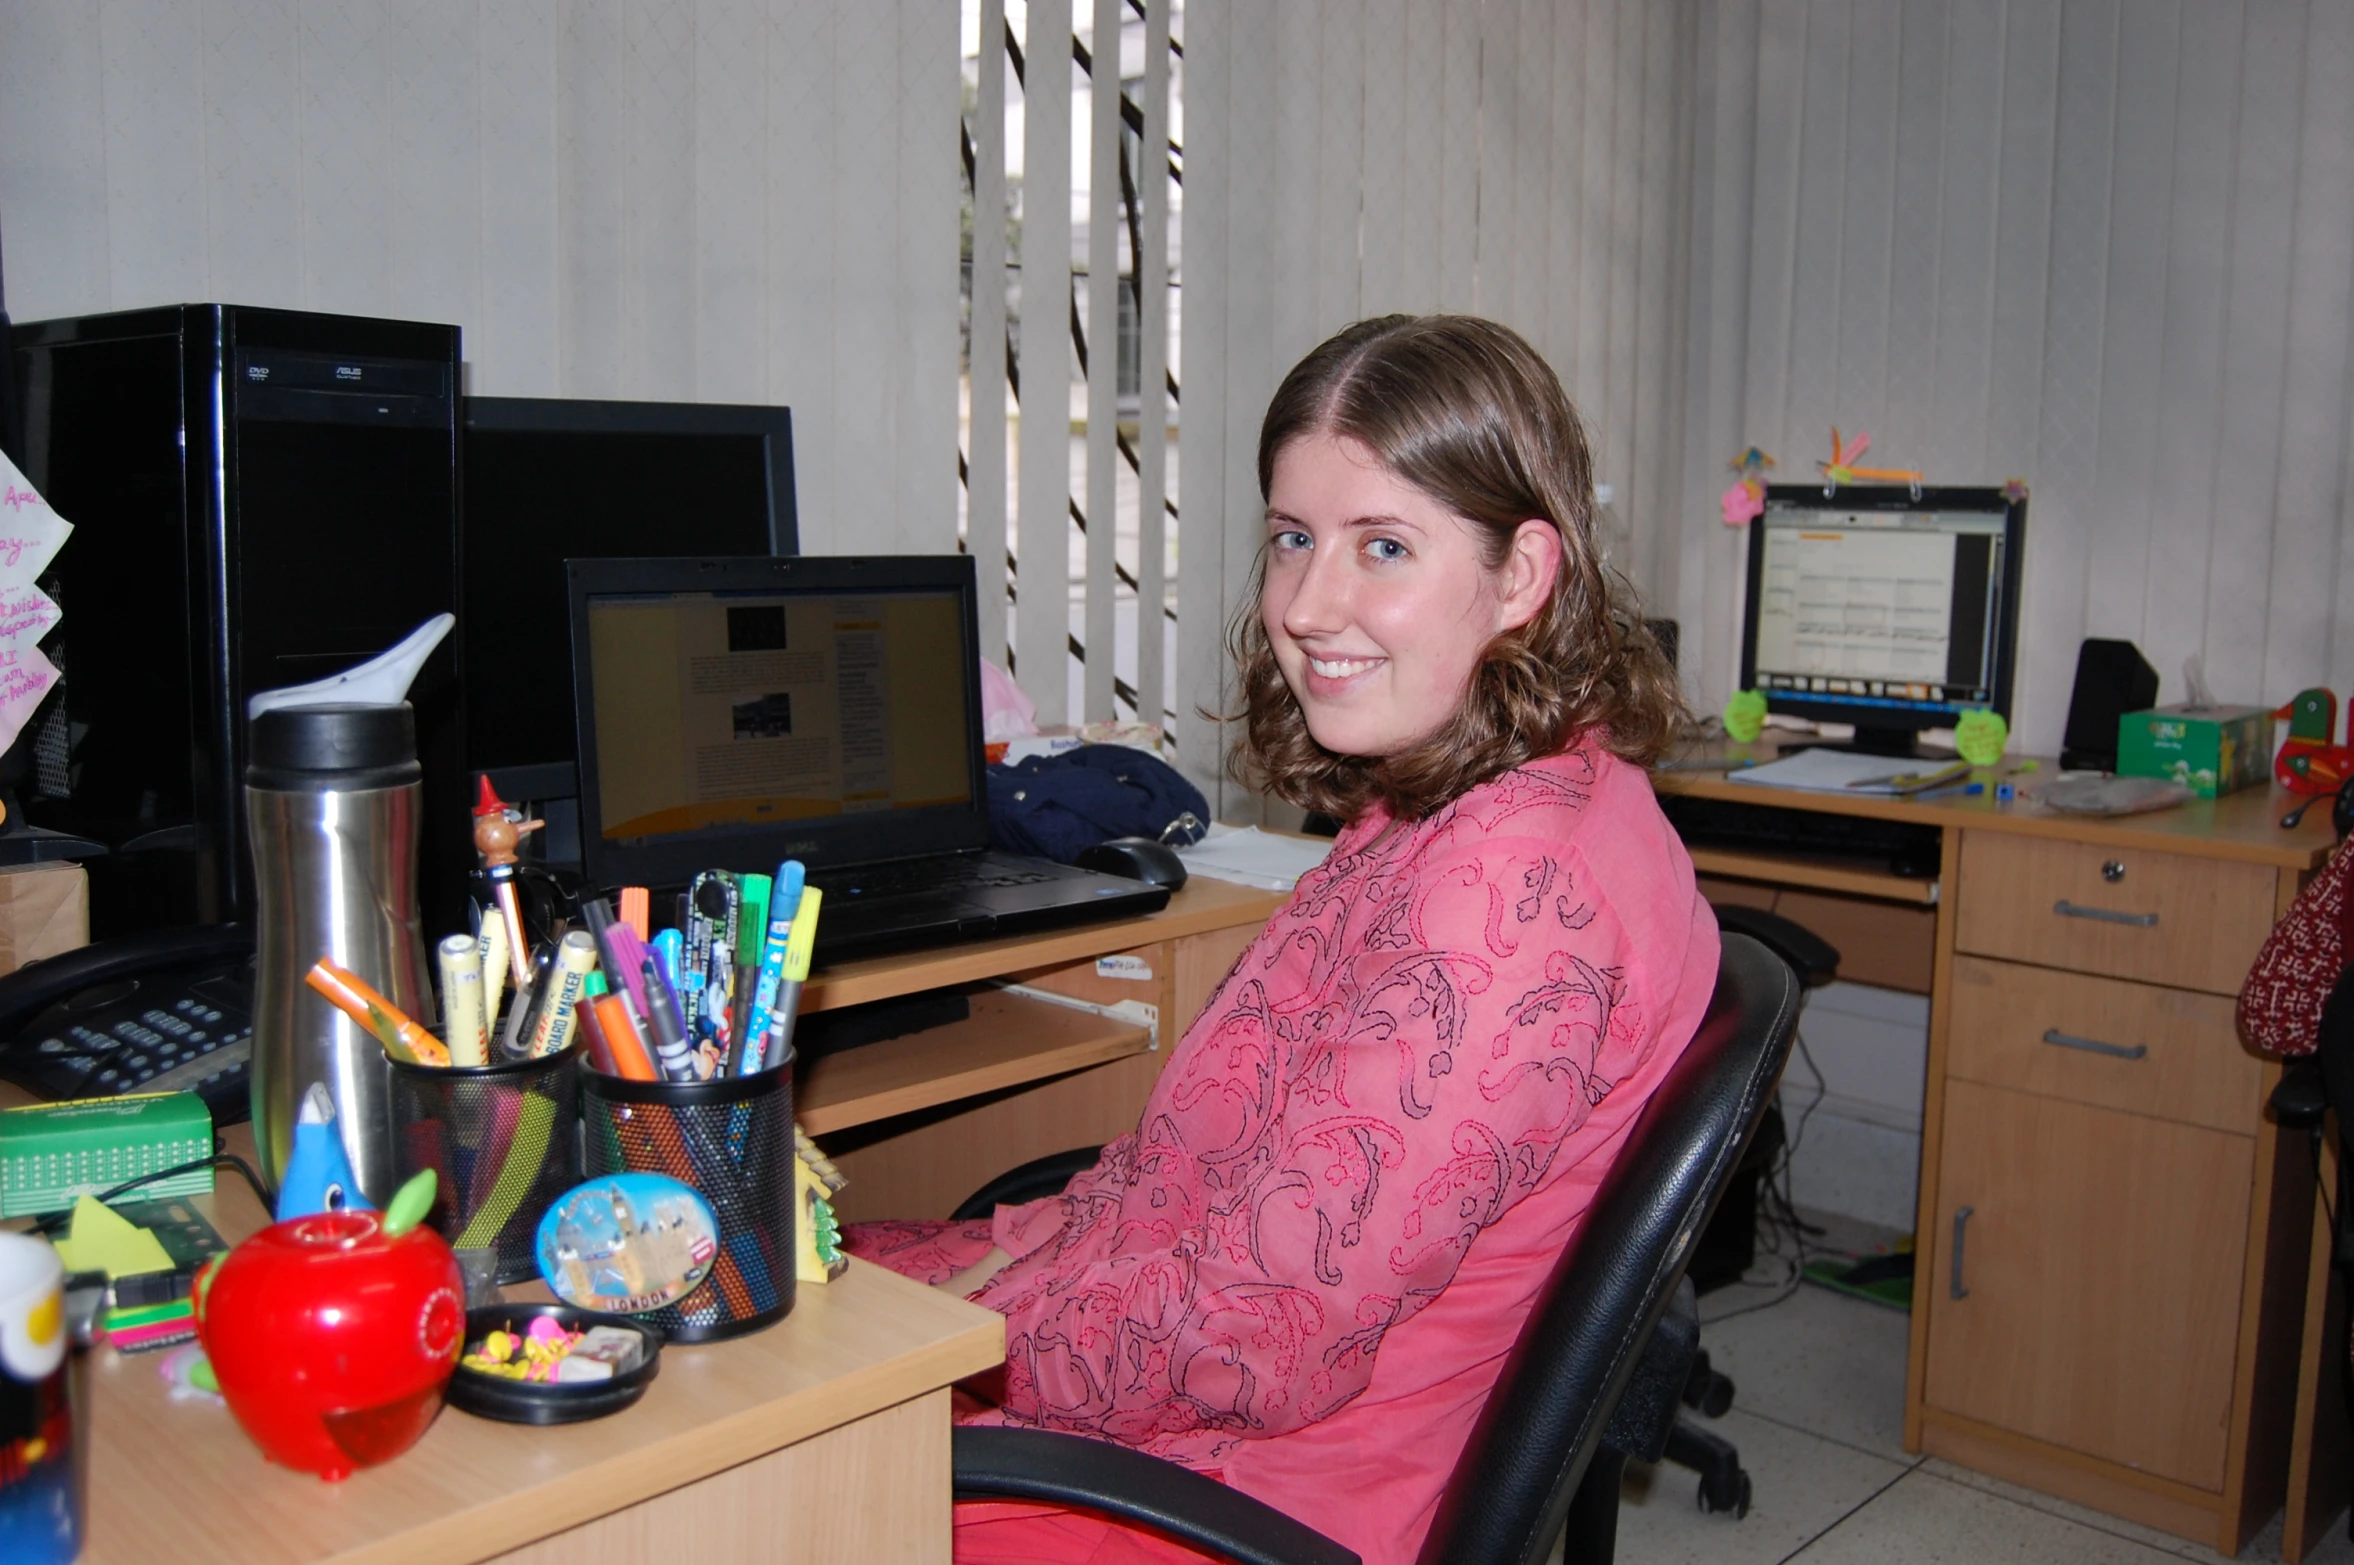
(332, 799)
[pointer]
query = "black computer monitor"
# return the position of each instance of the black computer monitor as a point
(547, 480)
(1893, 609)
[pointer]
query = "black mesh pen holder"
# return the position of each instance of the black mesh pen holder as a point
(732, 1139)
(503, 1142)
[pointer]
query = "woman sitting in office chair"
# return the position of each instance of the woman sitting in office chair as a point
(1302, 1269)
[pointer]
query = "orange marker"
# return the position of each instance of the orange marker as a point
(351, 994)
(636, 911)
(630, 1060)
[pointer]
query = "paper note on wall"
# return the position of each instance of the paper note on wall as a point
(31, 533)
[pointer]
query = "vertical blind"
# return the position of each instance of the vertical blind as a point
(2102, 246)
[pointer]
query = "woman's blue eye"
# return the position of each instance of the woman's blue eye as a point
(1386, 549)
(1291, 538)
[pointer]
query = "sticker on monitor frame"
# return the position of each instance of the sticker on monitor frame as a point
(627, 1243)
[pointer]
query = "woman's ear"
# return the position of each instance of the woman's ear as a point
(1530, 571)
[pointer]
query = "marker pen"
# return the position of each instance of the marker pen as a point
(676, 1060)
(460, 960)
(784, 903)
(551, 1029)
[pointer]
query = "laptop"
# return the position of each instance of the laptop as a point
(735, 713)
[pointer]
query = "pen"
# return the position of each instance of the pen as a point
(493, 946)
(1960, 787)
(671, 1053)
(524, 1013)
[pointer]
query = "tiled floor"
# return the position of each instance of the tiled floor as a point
(1818, 1418)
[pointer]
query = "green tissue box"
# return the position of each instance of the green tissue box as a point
(52, 1154)
(2211, 750)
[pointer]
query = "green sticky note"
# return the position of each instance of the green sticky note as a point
(103, 1240)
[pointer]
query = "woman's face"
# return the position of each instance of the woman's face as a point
(1376, 599)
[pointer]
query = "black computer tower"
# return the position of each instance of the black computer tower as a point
(259, 498)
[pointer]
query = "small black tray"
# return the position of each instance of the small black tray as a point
(538, 1402)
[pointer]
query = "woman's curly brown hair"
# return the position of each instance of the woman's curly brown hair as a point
(1465, 411)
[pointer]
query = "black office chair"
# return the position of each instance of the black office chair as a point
(1593, 1379)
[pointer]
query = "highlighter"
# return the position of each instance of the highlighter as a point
(777, 1047)
(351, 994)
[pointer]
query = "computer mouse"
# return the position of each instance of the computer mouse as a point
(1136, 858)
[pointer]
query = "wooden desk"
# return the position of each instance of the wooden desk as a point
(824, 1437)
(2142, 1324)
(920, 1122)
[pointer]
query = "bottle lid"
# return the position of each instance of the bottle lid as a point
(315, 747)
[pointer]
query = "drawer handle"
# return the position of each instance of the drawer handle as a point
(2067, 909)
(2118, 1051)
(1961, 1226)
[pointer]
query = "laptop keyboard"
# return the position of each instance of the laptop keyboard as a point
(912, 876)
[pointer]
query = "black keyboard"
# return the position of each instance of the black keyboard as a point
(909, 877)
(1904, 848)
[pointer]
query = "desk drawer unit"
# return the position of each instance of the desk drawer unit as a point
(2170, 1053)
(2085, 1280)
(2166, 918)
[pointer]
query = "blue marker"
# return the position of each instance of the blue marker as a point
(784, 900)
(667, 947)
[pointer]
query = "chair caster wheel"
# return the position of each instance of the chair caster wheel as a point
(1719, 1492)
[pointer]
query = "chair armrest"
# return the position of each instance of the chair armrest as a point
(1646, 1410)
(2302, 1097)
(1094, 1475)
(1814, 959)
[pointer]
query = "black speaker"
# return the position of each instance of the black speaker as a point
(2112, 679)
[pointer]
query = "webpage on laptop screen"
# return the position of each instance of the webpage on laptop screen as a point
(720, 710)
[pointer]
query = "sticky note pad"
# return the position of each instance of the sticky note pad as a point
(103, 1240)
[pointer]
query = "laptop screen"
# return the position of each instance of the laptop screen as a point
(804, 708)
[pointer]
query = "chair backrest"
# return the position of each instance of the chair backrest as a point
(1512, 1486)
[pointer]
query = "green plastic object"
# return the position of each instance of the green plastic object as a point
(1981, 737)
(410, 1203)
(1745, 715)
(200, 1375)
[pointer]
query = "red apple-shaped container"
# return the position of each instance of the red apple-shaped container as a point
(333, 1335)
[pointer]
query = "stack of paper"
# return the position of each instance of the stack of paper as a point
(1846, 771)
(1252, 857)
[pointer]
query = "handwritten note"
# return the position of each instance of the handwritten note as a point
(31, 533)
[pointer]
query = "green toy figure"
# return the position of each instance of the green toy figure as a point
(1745, 715)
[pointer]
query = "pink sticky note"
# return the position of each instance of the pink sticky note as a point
(30, 532)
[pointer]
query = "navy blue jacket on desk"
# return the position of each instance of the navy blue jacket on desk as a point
(1058, 806)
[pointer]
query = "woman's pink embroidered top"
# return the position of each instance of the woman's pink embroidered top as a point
(1302, 1270)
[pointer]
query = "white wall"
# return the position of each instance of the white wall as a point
(1524, 159)
(714, 200)
(2103, 246)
